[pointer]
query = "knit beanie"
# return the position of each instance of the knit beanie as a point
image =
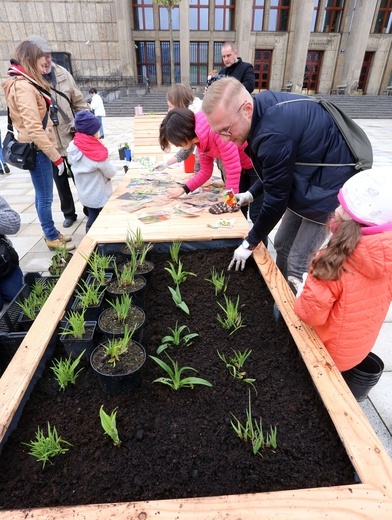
(40, 42)
(366, 197)
(87, 123)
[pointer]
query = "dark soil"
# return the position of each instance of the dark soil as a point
(180, 443)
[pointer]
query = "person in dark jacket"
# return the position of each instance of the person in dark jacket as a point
(236, 68)
(280, 136)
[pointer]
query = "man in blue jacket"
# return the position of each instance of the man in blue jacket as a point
(288, 143)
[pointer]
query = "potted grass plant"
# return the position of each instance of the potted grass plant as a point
(78, 335)
(89, 297)
(121, 315)
(126, 281)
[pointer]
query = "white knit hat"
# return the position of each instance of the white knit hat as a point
(367, 198)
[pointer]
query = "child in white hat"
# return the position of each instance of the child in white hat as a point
(347, 293)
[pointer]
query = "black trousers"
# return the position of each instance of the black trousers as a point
(67, 204)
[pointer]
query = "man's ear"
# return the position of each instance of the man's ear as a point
(248, 109)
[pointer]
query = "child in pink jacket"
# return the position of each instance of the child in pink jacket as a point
(181, 127)
(348, 291)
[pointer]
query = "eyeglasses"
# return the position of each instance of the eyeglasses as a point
(227, 133)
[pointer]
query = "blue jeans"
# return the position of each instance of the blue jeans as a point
(101, 134)
(296, 242)
(42, 177)
(10, 285)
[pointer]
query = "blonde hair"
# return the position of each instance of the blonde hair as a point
(27, 54)
(180, 96)
(221, 92)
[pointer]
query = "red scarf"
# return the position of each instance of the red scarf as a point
(91, 147)
(17, 70)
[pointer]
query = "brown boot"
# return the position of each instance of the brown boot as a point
(66, 238)
(59, 243)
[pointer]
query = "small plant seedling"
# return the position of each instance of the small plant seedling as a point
(175, 251)
(126, 274)
(179, 276)
(89, 294)
(33, 303)
(174, 380)
(235, 365)
(117, 346)
(175, 339)
(232, 318)
(177, 298)
(219, 281)
(64, 370)
(77, 325)
(98, 263)
(252, 431)
(122, 306)
(109, 425)
(134, 240)
(44, 448)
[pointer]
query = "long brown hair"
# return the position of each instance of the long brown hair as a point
(328, 264)
(27, 54)
(180, 96)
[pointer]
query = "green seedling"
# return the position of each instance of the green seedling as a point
(30, 306)
(126, 274)
(122, 306)
(77, 325)
(115, 347)
(89, 294)
(59, 261)
(109, 425)
(65, 370)
(219, 281)
(179, 276)
(175, 339)
(235, 365)
(138, 256)
(174, 380)
(134, 239)
(177, 298)
(175, 251)
(44, 448)
(98, 265)
(252, 431)
(232, 318)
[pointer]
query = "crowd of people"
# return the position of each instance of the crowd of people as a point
(287, 163)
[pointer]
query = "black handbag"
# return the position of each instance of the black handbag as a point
(9, 258)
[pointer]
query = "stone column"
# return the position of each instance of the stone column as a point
(127, 53)
(184, 42)
(243, 27)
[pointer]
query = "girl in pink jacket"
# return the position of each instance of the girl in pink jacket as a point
(181, 127)
(348, 291)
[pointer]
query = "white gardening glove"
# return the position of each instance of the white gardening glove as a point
(61, 168)
(300, 286)
(161, 166)
(244, 198)
(240, 256)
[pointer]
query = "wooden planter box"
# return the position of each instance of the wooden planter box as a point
(372, 498)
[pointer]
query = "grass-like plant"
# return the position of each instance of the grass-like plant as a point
(126, 274)
(59, 260)
(175, 251)
(33, 303)
(65, 370)
(176, 338)
(177, 298)
(115, 347)
(98, 264)
(174, 375)
(45, 447)
(232, 318)
(134, 239)
(219, 281)
(179, 276)
(235, 365)
(109, 425)
(77, 324)
(252, 430)
(89, 294)
(121, 304)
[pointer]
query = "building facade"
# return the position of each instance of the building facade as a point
(312, 46)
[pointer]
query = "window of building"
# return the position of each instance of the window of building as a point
(218, 64)
(63, 59)
(198, 15)
(164, 18)
(258, 15)
(315, 15)
(143, 14)
(146, 61)
(165, 53)
(333, 15)
(198, 57)
(224, 15)
(384, 18)
(279, 15)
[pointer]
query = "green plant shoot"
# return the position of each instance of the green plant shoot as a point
(177, 298)
(122, 306)
(179, 276)
(64, 370)
(174, 380)
(219, 281)
(176, 338)
(232, 318)
(109, 425)
(175, 251)
(235, 365)
(44, 448)
(115, 347)
(77, 324)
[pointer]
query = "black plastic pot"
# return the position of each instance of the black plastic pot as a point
(115, 384)
(361, 378)
(137, 295)
(121, 153)
(91, 313)
(118, 331)
(75, 346)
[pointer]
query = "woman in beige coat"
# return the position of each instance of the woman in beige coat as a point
(28, 100)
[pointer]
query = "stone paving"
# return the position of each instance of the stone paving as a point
(18, 190)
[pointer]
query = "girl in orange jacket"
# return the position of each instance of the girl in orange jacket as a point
(348, 291)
